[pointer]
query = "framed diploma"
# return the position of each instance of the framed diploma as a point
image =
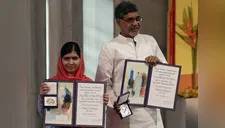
(151, 86)
(125, 109)
(79, 104)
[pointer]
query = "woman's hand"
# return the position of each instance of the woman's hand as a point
(106, 98)
(43, 90)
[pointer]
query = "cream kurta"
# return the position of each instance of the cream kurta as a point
(110, 69)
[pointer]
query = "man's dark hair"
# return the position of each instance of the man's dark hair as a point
(124, 8)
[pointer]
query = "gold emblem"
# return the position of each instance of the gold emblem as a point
(50, 101)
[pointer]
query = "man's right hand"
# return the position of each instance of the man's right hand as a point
(43, 90)
(116, 107)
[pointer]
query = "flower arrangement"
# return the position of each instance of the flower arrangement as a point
(189, 93)
(189, 35)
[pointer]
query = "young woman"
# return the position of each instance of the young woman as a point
(70, 66)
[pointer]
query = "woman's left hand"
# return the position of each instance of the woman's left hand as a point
(106, 98)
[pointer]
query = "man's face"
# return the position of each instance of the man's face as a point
(130, 24)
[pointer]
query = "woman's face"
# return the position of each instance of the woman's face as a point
(71, 62)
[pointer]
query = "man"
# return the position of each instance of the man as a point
(129, 44)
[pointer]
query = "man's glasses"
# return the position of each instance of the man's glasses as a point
(131, 20)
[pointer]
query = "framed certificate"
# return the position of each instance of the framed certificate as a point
(151, 86)
(79, 104)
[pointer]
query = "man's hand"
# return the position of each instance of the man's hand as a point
(152, 60)
(116, 107)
